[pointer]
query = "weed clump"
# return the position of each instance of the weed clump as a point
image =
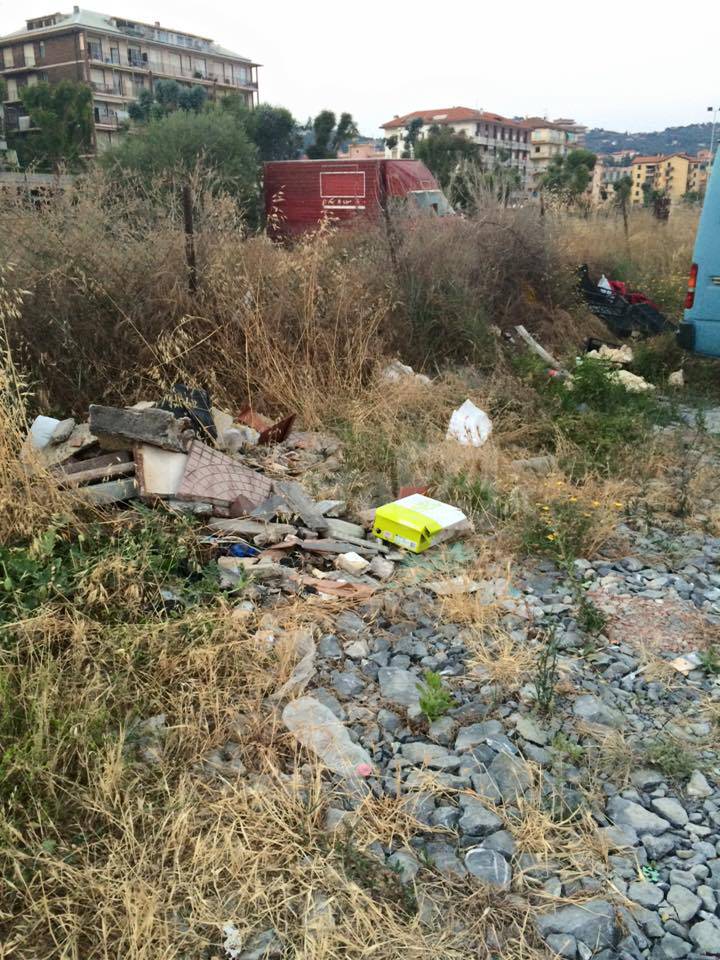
(435, 700)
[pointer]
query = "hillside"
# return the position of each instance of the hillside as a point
(688, 139)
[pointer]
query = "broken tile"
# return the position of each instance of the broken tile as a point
(214, 477)
(159, 472)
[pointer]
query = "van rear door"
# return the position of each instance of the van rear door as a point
(700, 331)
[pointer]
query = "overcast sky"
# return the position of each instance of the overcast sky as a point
(616, 64)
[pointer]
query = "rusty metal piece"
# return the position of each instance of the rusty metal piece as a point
(269, 432)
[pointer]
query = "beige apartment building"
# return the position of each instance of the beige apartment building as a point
(672, 176)
(117, 58)
(497, 136)
(548, 140)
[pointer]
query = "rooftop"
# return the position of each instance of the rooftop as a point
(442, 115)
(102, 22)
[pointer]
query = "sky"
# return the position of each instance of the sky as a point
(617, 64)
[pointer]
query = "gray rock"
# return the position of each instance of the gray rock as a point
(592, 922)
(489, 866)
(329, 646)
(647, 779)
(512, 776)
(671, 810)
(618, 838)
(685, 878)
(530, 729)
(476, 819)
(658, 847)
(485, 787)
(628, 813)
(706, 937)
(349, 623)
(698, 786)
(476, 734)
(405, 864)
(446, 817)
(708, 897)
(399, 686)
(646, 894)
(563, 945)
(684, 901)
(430, 755)
(502, 841)
(389, 721)
(347, 684)
(593, 710)
(444, 858)
(357, 650)
(673, 948)
(442, 730)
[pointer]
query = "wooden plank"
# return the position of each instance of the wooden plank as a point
(104, 493)
(84, 477)
(94, 463)
(115, 427)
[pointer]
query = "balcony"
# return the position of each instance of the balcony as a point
(108, 121)
(108, 89)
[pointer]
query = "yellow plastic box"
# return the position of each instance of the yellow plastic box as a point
(416, 522)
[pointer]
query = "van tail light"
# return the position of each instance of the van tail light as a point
(692, 284)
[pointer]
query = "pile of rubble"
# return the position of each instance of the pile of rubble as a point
(239, 474)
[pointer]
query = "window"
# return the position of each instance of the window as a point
(95, 49)
(537, 149)
(43, 76)
(41, 50)
(114, 55)
(11, 83)
(29, 53)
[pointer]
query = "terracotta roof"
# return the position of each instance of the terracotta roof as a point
(449, 115)
(659, 158)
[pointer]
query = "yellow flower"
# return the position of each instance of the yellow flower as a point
(573, 499)
(559, 483)
(551, 536)
(545, 509)
(587, 514)
(618, 505)
(595, 503)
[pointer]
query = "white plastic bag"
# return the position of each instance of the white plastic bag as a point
(604, 285)
(469, 425)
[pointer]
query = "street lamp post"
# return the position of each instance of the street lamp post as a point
(714, 111)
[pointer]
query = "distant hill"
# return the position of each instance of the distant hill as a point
(689, 139)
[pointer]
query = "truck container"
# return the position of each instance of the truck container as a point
(300, 194)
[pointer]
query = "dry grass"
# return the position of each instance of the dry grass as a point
(654, 258)
(503, 661)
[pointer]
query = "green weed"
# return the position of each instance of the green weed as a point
(672, 757)
(435, 700)
(710, 660)
(546, 674)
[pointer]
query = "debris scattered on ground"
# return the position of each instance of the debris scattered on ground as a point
(396, 371)
(469, 425)
(632, 382)
(615, 355)
(676, 379)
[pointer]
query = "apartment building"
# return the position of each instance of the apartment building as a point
(498, 137)
(606, 173)
(673, 176)
(117, 58)
(548, 140)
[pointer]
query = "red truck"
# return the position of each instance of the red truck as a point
(300, 194)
